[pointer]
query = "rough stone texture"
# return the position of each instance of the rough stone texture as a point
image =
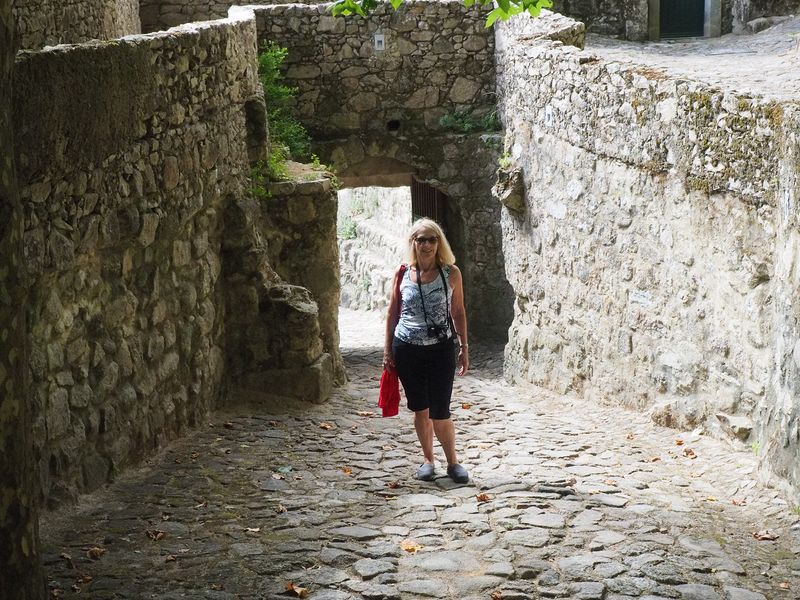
(372, 227)
(652, 265)
(300, 218)
(378, 112)
(744, 11)
(22, 577)
(50, 22)
(122, 237)
(272, 329)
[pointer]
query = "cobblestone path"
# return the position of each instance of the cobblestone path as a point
(567, 500)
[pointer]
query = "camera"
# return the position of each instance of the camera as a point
(438, 332)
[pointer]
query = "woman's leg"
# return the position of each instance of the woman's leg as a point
(424, 427)
(446, 434)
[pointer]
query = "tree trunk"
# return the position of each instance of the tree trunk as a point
(21, 574)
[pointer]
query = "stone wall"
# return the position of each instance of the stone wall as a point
(122, 236)
(378, 112)
(643, 257)
(300, 224)
(163, 14)
(49, 22)
(373, 223)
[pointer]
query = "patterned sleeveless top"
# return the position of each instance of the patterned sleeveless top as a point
(412, 328)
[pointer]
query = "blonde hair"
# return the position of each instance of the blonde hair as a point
(444, 254)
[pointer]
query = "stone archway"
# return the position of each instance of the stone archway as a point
(462, 166)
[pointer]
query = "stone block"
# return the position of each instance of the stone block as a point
(57, 417)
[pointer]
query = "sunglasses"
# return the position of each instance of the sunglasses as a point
(430, 240)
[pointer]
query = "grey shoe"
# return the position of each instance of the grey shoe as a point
(426, 472)
(458, 473)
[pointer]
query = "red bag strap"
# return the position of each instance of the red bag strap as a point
(397, 295)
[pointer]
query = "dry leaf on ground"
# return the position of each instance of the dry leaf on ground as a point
(410, 546)
(155, 534)
(280, 509)
(217, 587)
(393, 485)
(326, 426)
(765, 535)
(630, 436)
(711, 498)
(278, 476)
(366, 413)
(679, 442)
(483, 497)
(300, 592)
(466, 405)
(784, 585)
(653, 459)
(83, 578)
(497, 595)
(67, 558)
(170, 558)
(95, 553)
(689, 453)
(228, 425)
(272, 423)
(737, 502)
(252, 529)
(610, 482)
(347, 470)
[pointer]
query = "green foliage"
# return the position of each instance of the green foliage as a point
(504, 161)
(272, 169)
(464, 122)
(756, 447)
(347, 229)
(503, 9)
(285, 130)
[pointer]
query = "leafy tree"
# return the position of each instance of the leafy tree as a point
(503, 9)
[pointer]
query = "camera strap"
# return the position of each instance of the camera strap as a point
(446, 299)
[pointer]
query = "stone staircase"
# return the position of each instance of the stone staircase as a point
(367, 265)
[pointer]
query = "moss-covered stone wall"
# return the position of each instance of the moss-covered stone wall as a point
(650, 262)
(127, 151)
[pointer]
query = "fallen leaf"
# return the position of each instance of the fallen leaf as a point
(630, 436)
(203, 504)
(76, 588)
(784, 585)
(387, 447)
(366, 413)
(155, 534)
(393, 485)
(178, 461)
(272, 423)
(252, 529)
(195, 455)
(483, 497)
(695, 474)
(228, 425)
(736, 502)
(56, 593)
(67, 558)
(326, 426)
(410, 546)
(679, 442)
(170, 558)
(653, 459)
(497, 595)
(83, 578)
(347, 470)
(466, 405)
(711, 498)
(765, 535)
(301, 592)
(610, 482)
(278, 476)
(217, 587)
(689, 453)
(280, 508)
(95, 553)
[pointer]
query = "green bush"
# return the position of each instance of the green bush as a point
(462, 121)
(347, 229)
(285, 130)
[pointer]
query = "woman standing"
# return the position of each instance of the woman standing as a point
(420, 339)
